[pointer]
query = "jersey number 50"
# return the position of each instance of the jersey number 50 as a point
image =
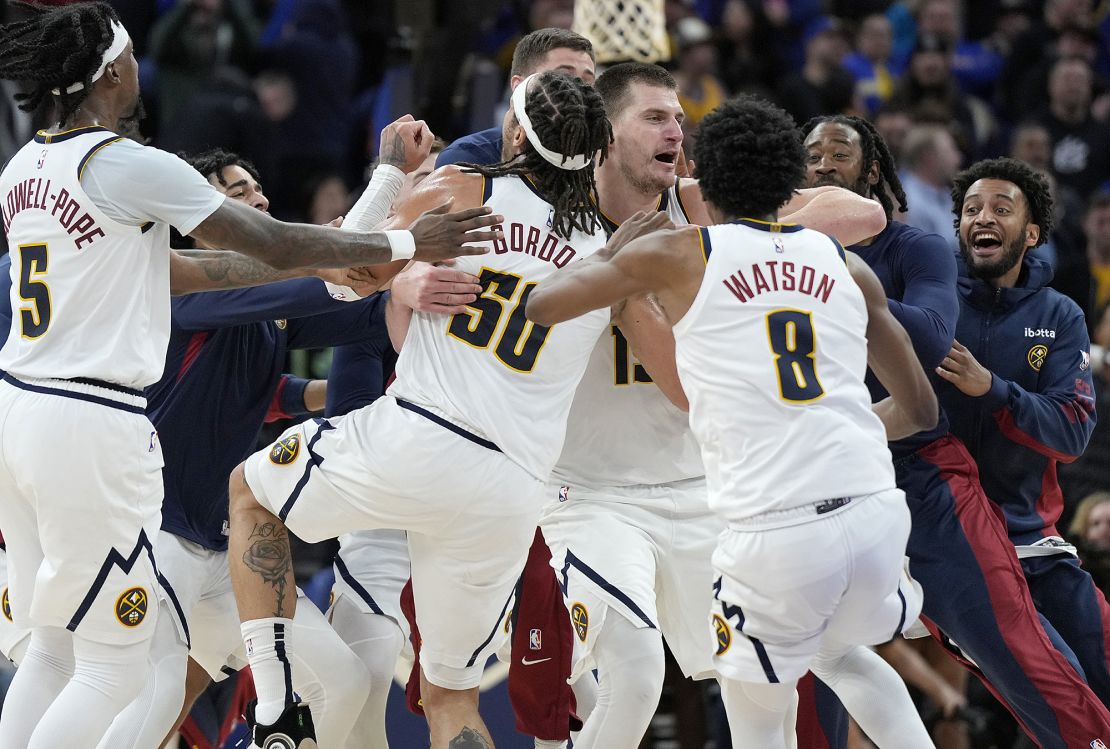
(518, 345)
(790, 333)
(35, 319)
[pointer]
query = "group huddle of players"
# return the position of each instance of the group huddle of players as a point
(627, 406)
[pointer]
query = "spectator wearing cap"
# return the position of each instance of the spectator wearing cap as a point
(822, 86)
(871, 64)
(930, 159)
(1080, 143)
(929, 92)
(699, 90)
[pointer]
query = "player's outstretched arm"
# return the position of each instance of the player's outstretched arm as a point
(840, 213)
(630, 264)
(912, 405)
(436, 234)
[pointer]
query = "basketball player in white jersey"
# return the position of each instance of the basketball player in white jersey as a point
(457, 451)
(87, 214)
(772, 335)
(629, 523)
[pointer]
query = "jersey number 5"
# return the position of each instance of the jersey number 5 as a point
(33, 319)
(518, 345)
(790, 333)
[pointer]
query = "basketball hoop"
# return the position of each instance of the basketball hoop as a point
(622, 30)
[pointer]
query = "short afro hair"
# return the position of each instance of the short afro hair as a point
(750, 157)
(1033, 185)
(214, 161)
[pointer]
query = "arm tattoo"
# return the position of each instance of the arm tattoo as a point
(269, 556)
(468, 738)
(232, 270)
(393, 153)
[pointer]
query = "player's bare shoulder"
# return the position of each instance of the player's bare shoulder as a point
(453, 181)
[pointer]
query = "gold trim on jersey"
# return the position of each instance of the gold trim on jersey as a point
(88, 157)
(36, 311)
(794, 355)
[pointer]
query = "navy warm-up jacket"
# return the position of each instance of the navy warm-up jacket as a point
(1040, 409)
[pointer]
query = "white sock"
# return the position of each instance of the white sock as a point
(874, 695)
(268, 649)
(544, 744)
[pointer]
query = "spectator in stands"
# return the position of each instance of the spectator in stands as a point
(975, 65)
(930, 159)
(328, 198)
(194, 39)
(1090, 532)
(871, 64)
(1032, 143)
(1091, 472)
(929, 92)
(699, 91)
(894, 124)
(1096, 225)
(823, 86)
(747, 56)
(1080, 144)
(1037, 45)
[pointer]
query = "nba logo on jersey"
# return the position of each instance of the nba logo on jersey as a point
(1098, 744)
(535, 639)
(564, 493)
(42, 159)
(779, 246)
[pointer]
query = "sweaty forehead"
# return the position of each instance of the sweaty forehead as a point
(832, 132)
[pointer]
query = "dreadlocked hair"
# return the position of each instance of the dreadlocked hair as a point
(874, 149)
(569, 118)
(1033, 185)
(215, 160)
(54, 48)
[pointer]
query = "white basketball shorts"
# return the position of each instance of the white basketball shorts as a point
(786, 591)
(80, 504)
(470, 513)
(618, 550)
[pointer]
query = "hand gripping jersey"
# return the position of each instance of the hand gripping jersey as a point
(489, 369)
(90, 296)
(772, 355)
(622, 430)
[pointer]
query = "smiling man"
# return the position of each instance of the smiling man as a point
(1021, 398)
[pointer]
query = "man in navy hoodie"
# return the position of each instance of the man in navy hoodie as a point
(1019, 392)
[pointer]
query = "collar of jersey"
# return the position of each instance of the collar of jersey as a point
(44, 137)
(611, 225)
(771, 226)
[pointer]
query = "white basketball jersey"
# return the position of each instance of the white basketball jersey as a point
(491, 370)
(622, 430)
(772, 354)
(90, 296)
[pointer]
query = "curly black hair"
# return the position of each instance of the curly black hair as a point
(54, 48)
(750, 157)
(1033, 185)
(215, 160)
(874, 149)
(569, 118)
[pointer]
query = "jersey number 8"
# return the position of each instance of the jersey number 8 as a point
(33, 320)
(790, 333)
(520, 342)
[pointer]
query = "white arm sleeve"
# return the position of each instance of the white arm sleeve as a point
(134, 184)
(373, 205)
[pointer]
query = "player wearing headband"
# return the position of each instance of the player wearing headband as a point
(457, 451)
(87, 213)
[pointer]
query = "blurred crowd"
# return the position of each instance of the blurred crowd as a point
(302, 88)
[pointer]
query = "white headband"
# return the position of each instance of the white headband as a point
(115, 49)
(570, 163)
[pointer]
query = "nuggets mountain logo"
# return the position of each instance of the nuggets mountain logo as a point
(6, 605)
(131, 607)
(724, 634)
(1036, 357)
(580, 618)
(286, 451)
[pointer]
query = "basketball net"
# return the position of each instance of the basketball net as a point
(623, 30)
